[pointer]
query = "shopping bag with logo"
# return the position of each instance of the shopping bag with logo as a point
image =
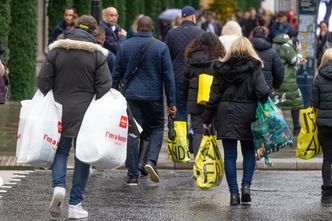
(177, 141)
(39, 130)
(103, 135)
(270, 129)
(307, 142)
(204, 88)
(208, 167)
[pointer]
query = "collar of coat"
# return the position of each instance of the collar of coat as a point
(78, 45)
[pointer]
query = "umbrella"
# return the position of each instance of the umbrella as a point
(170, 14)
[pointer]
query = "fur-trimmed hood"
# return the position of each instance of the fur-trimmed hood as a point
(79, 40)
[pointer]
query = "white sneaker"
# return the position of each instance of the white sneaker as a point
(77, 212)
(59, 194)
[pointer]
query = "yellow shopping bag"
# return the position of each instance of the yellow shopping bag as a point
(204, 88)
(208, 167)
(307, 141)
(178, 147)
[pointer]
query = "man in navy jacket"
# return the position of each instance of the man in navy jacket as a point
(177, 40)
(114, 33)
(144, 93)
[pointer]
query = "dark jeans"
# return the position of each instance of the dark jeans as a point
(249, 162)
(181, 102)
(59, 169)
(197, 126)
(325, 140)
(150, 115)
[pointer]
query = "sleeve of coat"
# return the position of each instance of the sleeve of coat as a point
(211, 106)
(261, 88)
(289, 54)
(46, 76)
(103, 80)
(117, 70)
(315, 97)
(2, 69)
(278, 71)
(168, 77)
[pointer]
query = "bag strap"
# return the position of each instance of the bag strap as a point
(124, 85)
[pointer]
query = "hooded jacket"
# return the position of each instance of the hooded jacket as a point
(322, 95)
(237, 86)
(76, 69)
(288, 97)
(273, 69)
(198, 63)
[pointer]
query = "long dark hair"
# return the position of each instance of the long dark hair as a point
(206, 41)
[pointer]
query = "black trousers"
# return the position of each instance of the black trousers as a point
(325, 140)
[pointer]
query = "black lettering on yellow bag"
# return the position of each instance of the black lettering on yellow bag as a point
(208, 167)
(307, 144)
(178, 147)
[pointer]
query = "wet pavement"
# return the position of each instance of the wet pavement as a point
(277, 195)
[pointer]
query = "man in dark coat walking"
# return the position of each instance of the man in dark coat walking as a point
(76, 70)
(177, 40)
(144, 93)
(273, 68)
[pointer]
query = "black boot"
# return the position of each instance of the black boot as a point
(296, 121)
(235, 199)
(326, 195)
(245, 198)
(143, 153)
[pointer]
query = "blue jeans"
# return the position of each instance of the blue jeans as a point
(59, 169)
(249, 162)
(181, 102)
(150, 115)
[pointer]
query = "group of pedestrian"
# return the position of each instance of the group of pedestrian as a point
(146, 70)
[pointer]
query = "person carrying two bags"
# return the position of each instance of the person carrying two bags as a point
(237, 86)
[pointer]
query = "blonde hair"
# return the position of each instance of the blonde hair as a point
(242, 47)
(232, 28)
(327, 56)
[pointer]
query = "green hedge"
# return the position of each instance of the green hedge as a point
(23, 46)
(4, 24)
(82, 7)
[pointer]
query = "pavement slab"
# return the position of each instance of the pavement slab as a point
(277, 195)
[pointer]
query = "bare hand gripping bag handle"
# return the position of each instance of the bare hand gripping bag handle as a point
(208, 167)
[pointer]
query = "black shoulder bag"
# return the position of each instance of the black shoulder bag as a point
(123, 85)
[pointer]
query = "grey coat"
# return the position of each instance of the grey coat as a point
(76, 69)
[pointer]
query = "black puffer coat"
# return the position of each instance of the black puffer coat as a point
(273, 69)
(198, 63)
(237, 86)
(76, 69)
(322, 95)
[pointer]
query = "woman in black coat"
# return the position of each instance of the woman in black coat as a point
(199, 55)
(237, 87)
(322, 100)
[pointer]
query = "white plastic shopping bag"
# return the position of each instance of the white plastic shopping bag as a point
(102, 138)
(39, 130)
